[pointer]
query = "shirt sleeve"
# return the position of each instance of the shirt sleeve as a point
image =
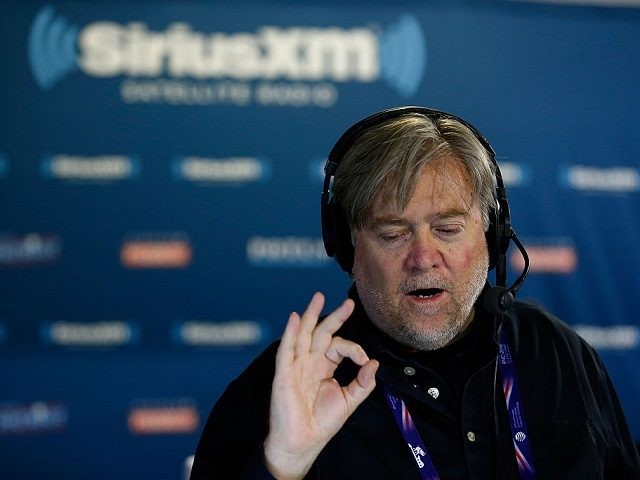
(622, 459)
(230, 446)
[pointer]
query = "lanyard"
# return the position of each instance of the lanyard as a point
(520, 434)
(411, 435)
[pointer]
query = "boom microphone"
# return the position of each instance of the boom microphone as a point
(499, 299)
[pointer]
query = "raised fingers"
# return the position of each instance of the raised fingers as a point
(286, 350)
(308, 323)
(304, 335)
(329, 326)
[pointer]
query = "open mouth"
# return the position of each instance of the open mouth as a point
(425, 292)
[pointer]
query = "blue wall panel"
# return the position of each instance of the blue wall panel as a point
(160, 170)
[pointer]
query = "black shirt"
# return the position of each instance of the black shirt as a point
(577, 429)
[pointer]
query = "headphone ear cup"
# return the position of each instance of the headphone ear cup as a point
(336, 235)
(499, 234)
(328, 230)
(492, 238)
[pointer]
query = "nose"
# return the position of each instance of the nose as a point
(424, 252)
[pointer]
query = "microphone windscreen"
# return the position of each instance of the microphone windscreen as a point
(498, 300)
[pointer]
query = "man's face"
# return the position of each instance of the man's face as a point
(420, 271)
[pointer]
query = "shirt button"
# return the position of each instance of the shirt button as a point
(409, 371)
(434, 392)
(471, 436)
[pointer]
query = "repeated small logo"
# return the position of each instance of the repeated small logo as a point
(610, 337)
(163, 416)
(520, 436)
(238, 333)
(156, 250)
(29, 249)
(553, 256)
(38, 417)
(288, 251)
(221, 171)
(515, 174)
(97, 334)
(601, 179)
(102, 168)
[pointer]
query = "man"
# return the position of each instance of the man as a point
(425, 371)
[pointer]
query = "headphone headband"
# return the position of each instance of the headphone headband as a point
(347, 139)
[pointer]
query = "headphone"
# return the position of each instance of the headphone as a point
(336, 233)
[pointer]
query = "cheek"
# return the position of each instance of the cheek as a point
(467, 259)
(372, 268)
(476, 257)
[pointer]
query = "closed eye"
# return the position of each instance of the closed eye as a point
(392, 237)
(451, 230)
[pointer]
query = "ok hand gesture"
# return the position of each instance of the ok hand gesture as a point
(308, 406)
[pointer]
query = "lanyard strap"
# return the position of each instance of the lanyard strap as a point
(411, 435)
(520, 434)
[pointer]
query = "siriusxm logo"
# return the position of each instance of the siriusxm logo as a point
(397, 54)
(52, 47)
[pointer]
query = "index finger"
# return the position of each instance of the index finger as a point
(308, 323)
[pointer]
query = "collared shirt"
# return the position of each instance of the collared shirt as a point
(576, 425)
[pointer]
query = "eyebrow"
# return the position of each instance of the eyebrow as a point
(392, 220)
(386, 221)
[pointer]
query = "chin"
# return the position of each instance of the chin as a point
(418, 338)
(439, 334)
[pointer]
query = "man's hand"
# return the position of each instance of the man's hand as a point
(308, 406)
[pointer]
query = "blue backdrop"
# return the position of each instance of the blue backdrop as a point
(160, 171)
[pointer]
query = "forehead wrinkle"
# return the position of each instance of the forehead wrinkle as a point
(449, 175)
(450, 182)
(399, 221)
